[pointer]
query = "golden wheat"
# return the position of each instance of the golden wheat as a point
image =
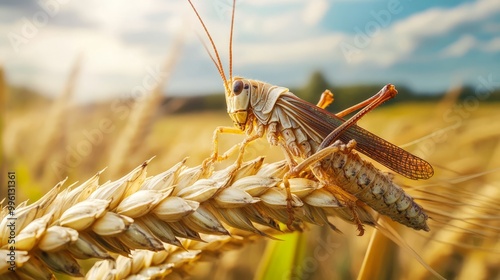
(463, 210)
(180, 208)
(183, 207)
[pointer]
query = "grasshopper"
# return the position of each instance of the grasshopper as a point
(318, 137)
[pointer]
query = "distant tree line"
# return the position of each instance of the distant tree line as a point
(345, 96)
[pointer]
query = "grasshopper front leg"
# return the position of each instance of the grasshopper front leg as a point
(215, 145)
(215, 157)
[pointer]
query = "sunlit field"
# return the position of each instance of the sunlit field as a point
(461, 141)
(109, 151)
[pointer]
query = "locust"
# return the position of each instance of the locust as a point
(324, 141)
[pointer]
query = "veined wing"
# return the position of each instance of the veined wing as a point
(320, 122)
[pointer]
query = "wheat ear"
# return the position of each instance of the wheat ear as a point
(96, 220)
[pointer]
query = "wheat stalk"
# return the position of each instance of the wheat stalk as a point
(140, 120)
(3, 97)
(54, 128)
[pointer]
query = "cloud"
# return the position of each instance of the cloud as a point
(491, 46)
(382, 42)
(49, 58)
(314, 11)
(402, 38)
(317, 48)
(120, 41)
(101, 32)
(460, 47)
(467, 43)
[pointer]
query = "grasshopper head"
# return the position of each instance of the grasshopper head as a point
(238, 101)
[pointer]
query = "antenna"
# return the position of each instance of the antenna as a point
(218, 64)
(231, 43)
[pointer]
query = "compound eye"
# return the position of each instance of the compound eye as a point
(237, 87)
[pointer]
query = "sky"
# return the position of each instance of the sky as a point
(429, 46)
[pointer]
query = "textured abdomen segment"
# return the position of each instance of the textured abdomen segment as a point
(348, 171)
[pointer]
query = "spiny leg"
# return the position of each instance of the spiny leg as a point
(352, 204)
(386, 93)
(360, 105)
(295, 171)
(288, 155)
(289, 198)
(239, 159)
(348, 198)
(356, 219)
(243, 145)
(350, 201)
(215, 157)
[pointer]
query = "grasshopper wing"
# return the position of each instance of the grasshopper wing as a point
(318, 122)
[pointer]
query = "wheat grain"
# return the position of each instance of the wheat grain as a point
(135, 212)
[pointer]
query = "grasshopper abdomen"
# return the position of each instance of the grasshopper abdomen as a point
(346, 170)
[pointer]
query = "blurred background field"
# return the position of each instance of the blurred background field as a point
(65, 114)
(459, 137)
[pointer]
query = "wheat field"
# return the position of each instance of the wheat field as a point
(121, 169)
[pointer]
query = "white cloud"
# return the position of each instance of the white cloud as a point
(400, 39)
(276, 25)
(317, 48)
(460, 47)
(434, 22)
(116, 16)
(52, 53)
(110, 65)
(281, 33)
(393, 42)
(492, 46)
(315, 11)
(468, 43)
(275, 38)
